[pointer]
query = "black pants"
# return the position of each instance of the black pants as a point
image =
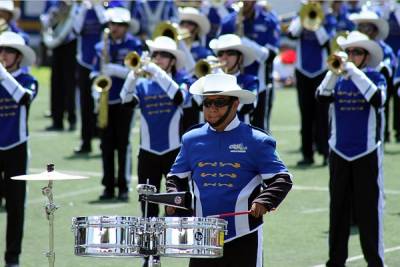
(115, 137)
(357, 184)
(88, 117)
(314, 116)
(245, 251)
(258, 116)
(63, 84)
(191, 116)
(13, 162)
(153, 167)
(391, 94)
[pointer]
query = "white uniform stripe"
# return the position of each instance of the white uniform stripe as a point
(260, 247)
(173, 131)
(22, 123)
(371, 138)
(128, 165)
(381, 202)
(242, 222)
(144, 134)
(199, 208)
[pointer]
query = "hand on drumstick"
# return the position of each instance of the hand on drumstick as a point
(169, 210)
(258, 210)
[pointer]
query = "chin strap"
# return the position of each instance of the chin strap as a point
(223, 118)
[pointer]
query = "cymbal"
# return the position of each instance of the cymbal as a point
(46, 176)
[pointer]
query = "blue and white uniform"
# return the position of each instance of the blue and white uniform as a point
(150, 13)
(396, 76)
(117, 52)
(343, 21)
(227, 170)
(14, 116)
(393, 39)
(250, 83)
(351, 110)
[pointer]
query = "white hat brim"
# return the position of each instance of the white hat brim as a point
(373, 48)
(179, 55)
(381, 24)
(248, 55)
(28, 55)
(245, 96)
(200, 20)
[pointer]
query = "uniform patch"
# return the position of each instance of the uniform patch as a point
(238, 148)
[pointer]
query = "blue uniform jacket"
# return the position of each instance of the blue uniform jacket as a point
(14, 116)
(227, 170)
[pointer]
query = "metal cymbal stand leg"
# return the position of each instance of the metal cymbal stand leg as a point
(50, 208)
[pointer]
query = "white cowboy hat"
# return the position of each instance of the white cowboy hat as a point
(368, 16)
(221, 84)
(192, 14)
(166, 44)
(233, 42)
(358, 39)
(118, 15)
(8, 5)
(14, 40)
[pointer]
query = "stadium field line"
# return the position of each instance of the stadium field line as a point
(360, 257)
(325, 189)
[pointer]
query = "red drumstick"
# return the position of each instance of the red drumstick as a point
(229, 214)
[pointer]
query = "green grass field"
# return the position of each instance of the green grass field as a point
(295, 235)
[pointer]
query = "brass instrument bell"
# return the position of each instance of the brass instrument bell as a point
(135, 62)
(336, 62)
(171, 30)
(311, 16)
(206, 66)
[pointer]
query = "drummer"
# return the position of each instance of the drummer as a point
(17, 89)
(232, 167)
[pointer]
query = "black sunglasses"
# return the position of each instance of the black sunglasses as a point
(218, 103)
(8, 50)
(162, 54)
(228, 53)
(356, 51)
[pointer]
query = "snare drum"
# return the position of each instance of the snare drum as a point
(193, 237)
(106, 236)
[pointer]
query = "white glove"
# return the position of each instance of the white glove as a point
(262, 53)
(163, 79)
(11, 85)
(115, 70)
(363, 83)
(295, 27)
(128, 89)
(322, 35)
(328, 84)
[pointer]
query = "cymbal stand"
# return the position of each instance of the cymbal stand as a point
(50, 208)
(148, 189)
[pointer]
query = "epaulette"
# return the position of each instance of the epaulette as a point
(195, 127)
(259, 129)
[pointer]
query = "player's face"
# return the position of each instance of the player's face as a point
(164, 60)
(231, 58)
(215, 107)
(118, 30)
(358, 56)
(10, 58)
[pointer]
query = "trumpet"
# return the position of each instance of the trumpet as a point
(334, 46)
(336, 62)
(135, 62)
(171, 30)
(311, 16)
(102, 83)
(206, 66)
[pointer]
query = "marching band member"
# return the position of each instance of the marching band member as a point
(160, 99)
(260, 30)
(312, 52)
(393, 18)
(10, 14)
(87, 25)
(341, 12)
(17, 90)
(369, 23)
(149, 13)
(115, 136)
(214, 10)
(396, 78)
(232, 51)
(63, 64)
(254, 178)
(355, 162)
(194, 47)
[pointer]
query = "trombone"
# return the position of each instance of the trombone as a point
(206, 66)
(336, 62)
(311, 16)
(135, 62)
(171, 30)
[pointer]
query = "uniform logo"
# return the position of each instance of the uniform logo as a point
(198, 236)
(178, 200)
(238, 148)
